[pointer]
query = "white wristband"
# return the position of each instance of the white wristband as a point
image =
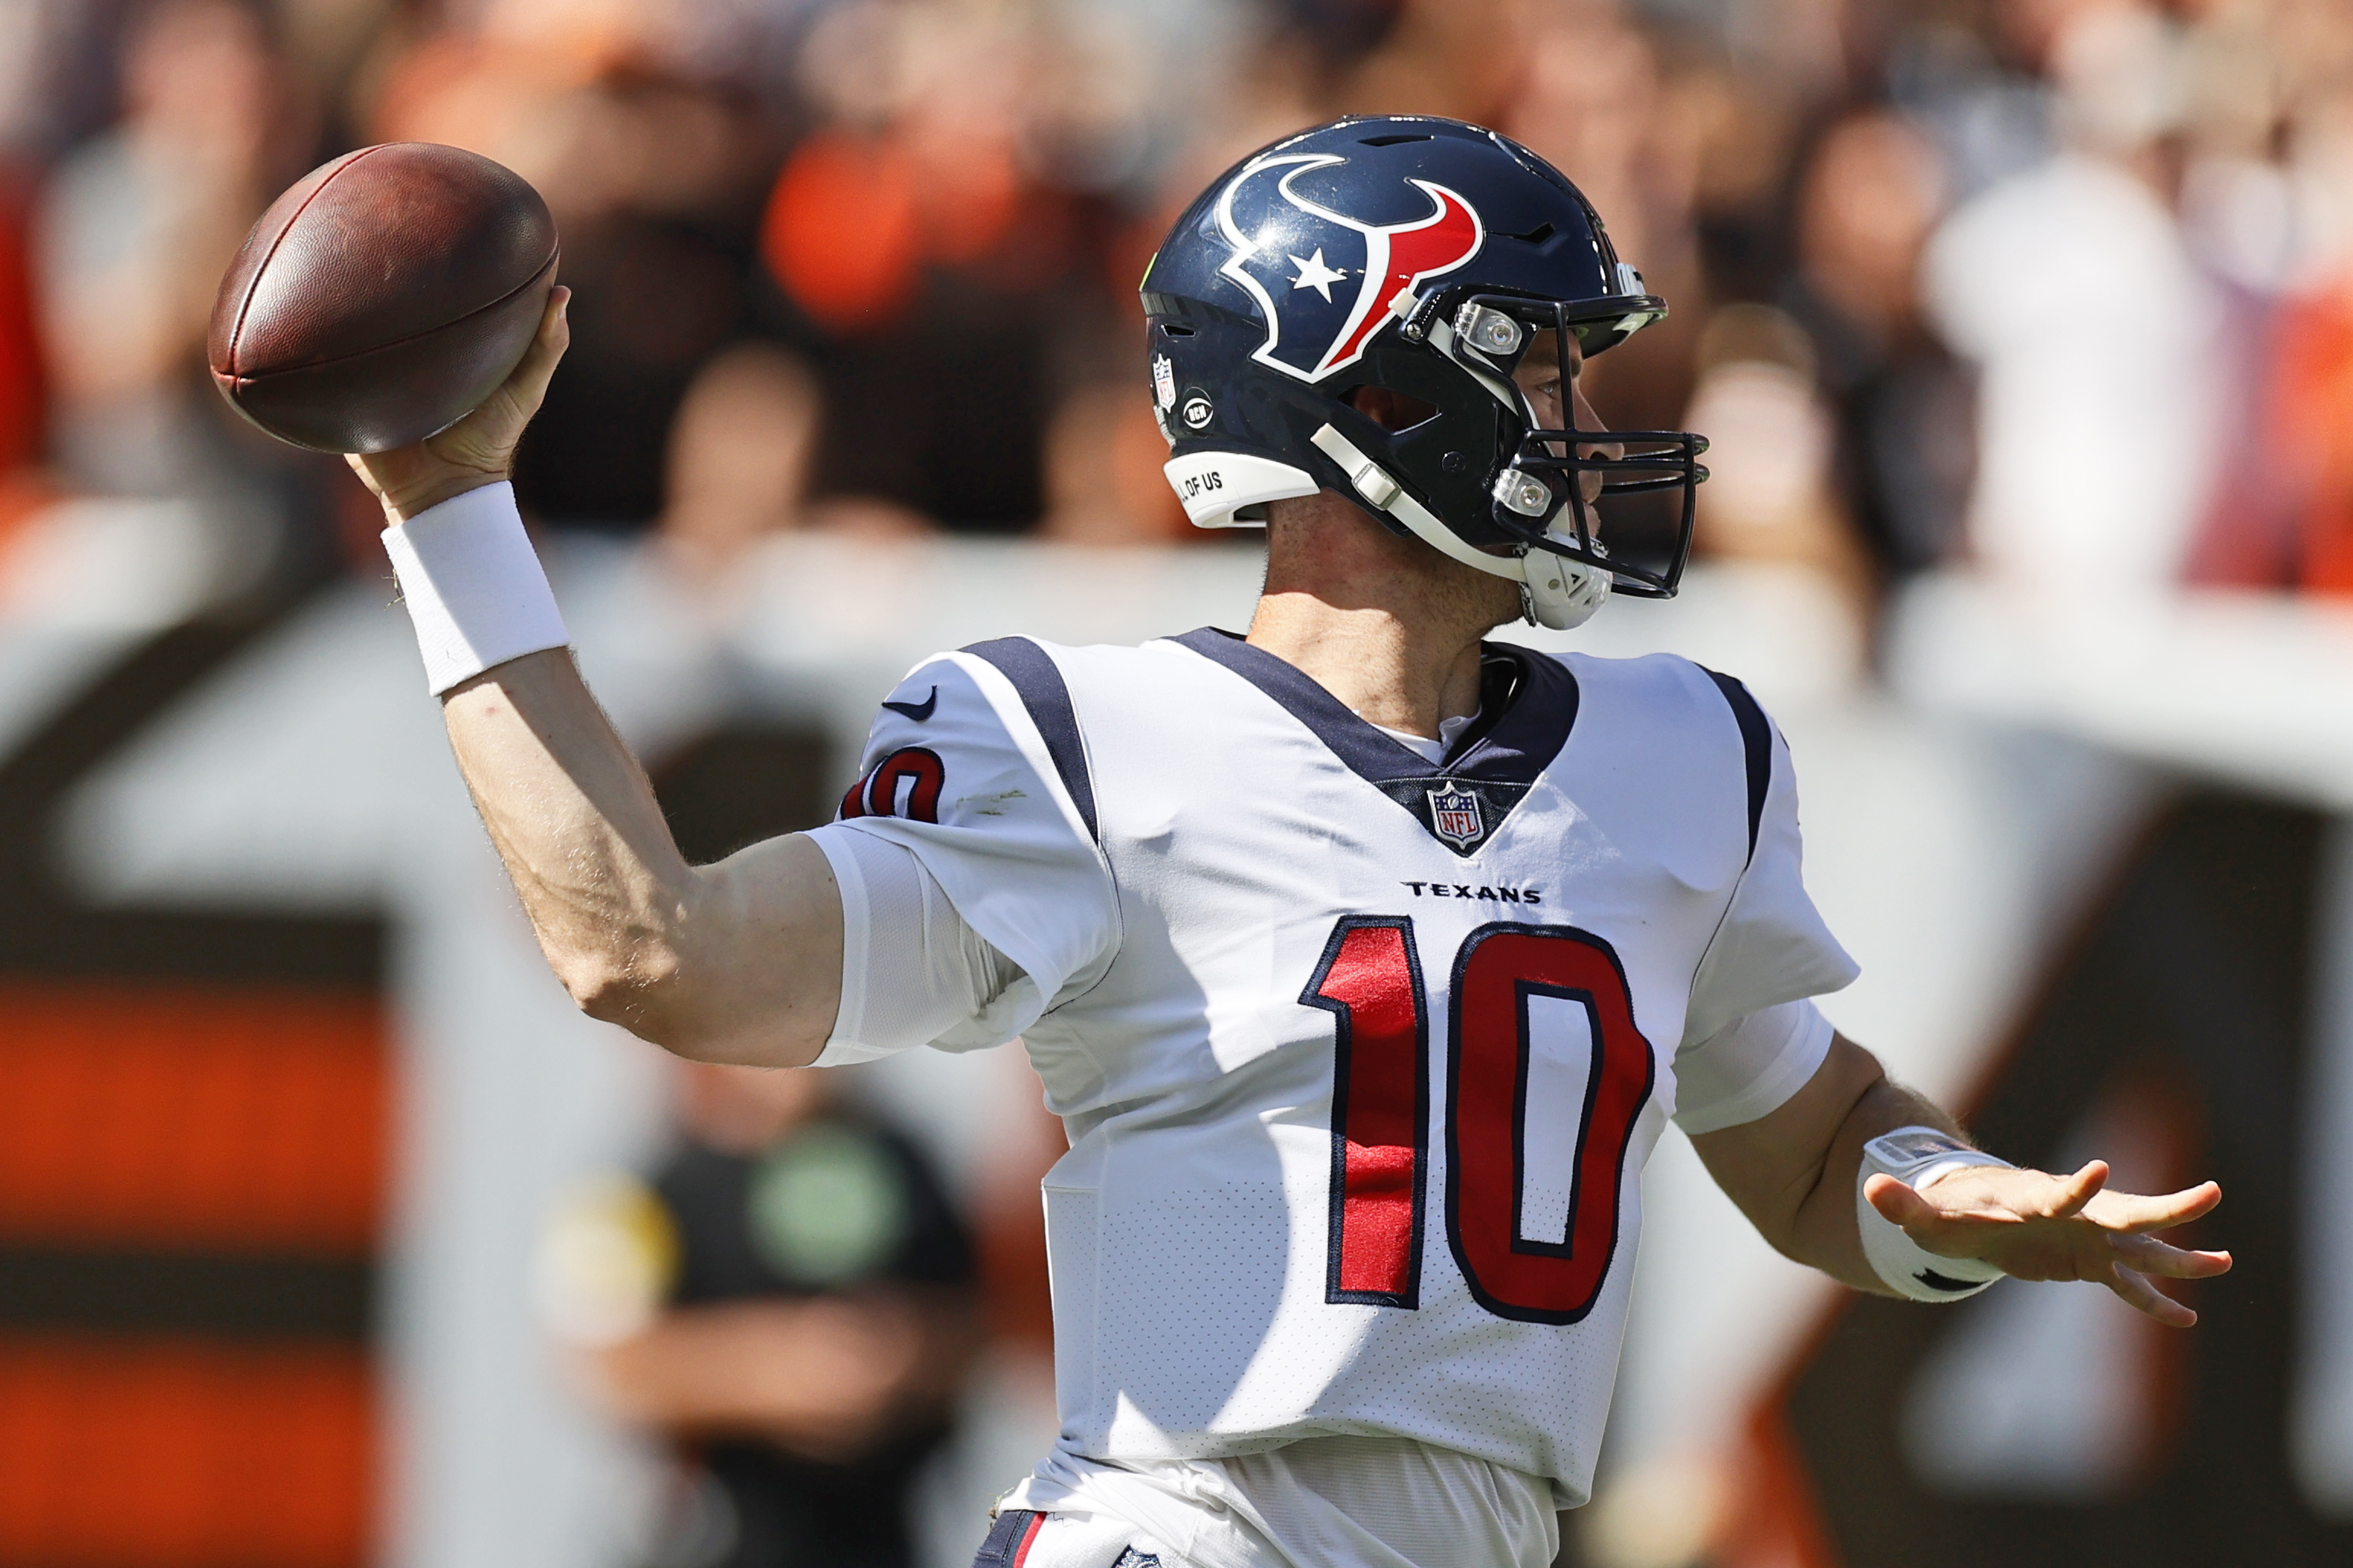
(475, 590)
(1913, 1155)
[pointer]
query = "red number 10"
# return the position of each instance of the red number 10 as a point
(1370, 979)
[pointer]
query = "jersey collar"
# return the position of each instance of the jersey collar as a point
(1528, 705)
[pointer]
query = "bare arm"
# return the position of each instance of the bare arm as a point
(1793, 1171)
(739, 962)
(826, 1377)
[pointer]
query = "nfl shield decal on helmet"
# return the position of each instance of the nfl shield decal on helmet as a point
(1454, 816)
(1324, 279)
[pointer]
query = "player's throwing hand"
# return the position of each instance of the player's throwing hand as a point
(2036, 1226)
(477, 449)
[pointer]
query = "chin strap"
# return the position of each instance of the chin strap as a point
(1555, 590)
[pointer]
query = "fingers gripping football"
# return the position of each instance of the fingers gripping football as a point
(480, 448)
(2036, 1226)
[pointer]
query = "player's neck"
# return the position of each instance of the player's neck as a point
(1386, 669)
(1386, 625)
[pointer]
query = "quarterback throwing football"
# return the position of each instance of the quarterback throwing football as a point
(1364, 960)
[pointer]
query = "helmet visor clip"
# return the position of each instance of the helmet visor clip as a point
(1518, 490)
(1496, 336)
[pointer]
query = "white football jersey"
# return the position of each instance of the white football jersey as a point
(1361, 1056)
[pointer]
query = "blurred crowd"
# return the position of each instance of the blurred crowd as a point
(2060, 289)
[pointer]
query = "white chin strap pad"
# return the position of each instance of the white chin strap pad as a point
(1560, 593)
(1555, 590)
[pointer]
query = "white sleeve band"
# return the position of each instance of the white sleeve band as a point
(1914, 1156)
(913, 972)
(475, 590)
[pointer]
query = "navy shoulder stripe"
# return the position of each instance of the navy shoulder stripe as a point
(1755, 744)
(1048, 698)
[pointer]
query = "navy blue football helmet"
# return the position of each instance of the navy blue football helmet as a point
(1421, 259)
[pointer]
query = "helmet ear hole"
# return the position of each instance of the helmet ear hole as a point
(1390, 409)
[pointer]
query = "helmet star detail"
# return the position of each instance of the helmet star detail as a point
(1425, 261)
(1392, 262)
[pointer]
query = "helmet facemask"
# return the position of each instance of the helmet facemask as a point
(1622, 501)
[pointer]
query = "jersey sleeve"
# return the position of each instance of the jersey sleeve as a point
(1750, 1068)
(973, 895)
(1771, 945)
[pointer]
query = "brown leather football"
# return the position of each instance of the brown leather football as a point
(383, 297)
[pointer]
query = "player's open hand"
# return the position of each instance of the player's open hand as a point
(477, 449)
(2035, 1225)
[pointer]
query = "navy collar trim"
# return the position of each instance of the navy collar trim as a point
(1528, 706)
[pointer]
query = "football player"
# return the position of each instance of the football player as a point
(1365, 959)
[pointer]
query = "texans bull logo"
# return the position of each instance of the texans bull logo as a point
(1326, 281)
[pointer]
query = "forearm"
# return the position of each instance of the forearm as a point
(1793, 1171)
(738, 961)
(821, 1375)
(574, 820)
(1825, 1232)
(748, 1366)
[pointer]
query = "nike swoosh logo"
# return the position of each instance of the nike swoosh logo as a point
(918, 711)
(1935, 1281)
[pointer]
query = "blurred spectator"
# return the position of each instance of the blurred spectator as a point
(2284, 511)
(1272, 83)
(653, 180)
(1592, 100)
(2094, 331)
(791, 1302)
(1103, 483)
(915, 164)
(738, 455)
(1773, 496)
(1990, 119)
(741, 453)
(34, 48)
(1903, 407)
(1434, 56)
(135, 229)
(912, 230)
(2313, 379)
(653, 300)
(22, 391)
(58, 69)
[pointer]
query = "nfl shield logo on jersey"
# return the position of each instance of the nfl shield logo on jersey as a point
(1454, 816)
